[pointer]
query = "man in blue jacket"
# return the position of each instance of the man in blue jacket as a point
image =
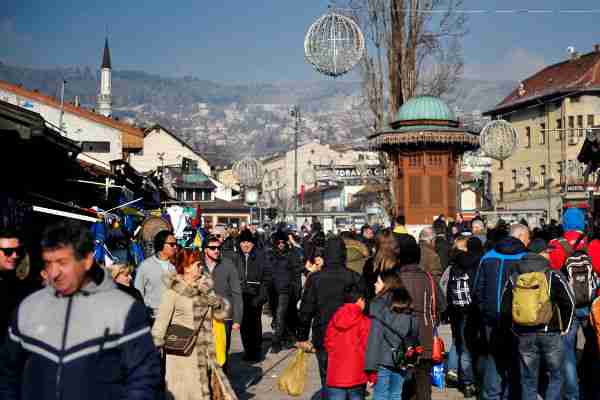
(80, 337)
(494, 271)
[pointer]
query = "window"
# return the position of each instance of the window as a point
(560, 171)
(501, 191)
(571, 126)
(189, 195)
(95, 147)
(543, 175)
(590, 120)
(501, 166)
(435, 190)
(528, 175)
(527, 137)
(580, 125)
(542, 133)
(559, 127)
(415, 190)
(514, 178)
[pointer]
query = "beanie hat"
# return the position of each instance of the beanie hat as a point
(246, 236)
(279, 236)
(573, 220)
(410, 252)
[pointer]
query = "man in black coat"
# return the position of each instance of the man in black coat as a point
(254, 271)
(323, 295)
(284, 268)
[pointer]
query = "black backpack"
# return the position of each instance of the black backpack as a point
(579, 272)
(459, 288)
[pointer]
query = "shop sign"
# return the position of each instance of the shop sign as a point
(571, 188)
(351, 172)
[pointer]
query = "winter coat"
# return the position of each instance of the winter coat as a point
(346, 345)
(94, 344)
(369, 277)
(285, 270)
(419, 286)
(560, 296)
(12, 291)
(495, 268)
(190, 305)
(227, 284)
(442, 248)
(324, 292)
(387, 329)
(254, 273)
(430, 261)
(558, 255)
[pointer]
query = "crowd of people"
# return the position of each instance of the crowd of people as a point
(515, 299)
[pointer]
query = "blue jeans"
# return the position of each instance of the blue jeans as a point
(465, 364)
(453, 356)
(496, 362)
(533, 349)
(351, 393)
(389, 384)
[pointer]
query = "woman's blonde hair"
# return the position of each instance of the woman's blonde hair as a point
(386, 251)
(118, 269)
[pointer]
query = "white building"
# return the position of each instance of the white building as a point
(162, 147)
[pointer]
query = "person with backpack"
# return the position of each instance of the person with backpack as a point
(393, 336)
(323, 295)
(460, 285)
(496, 342)
(579, 260)
(346, 344)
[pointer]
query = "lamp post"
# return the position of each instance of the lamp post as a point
(295, 113)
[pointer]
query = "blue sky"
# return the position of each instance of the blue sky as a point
(262, 40)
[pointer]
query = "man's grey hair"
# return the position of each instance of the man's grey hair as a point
(517, 230)
(479, 224)
(426, 235)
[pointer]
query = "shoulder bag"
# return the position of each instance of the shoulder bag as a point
(180, 340)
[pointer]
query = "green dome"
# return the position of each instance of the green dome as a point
(425, 108)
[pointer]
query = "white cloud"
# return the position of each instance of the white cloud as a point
(517, 64)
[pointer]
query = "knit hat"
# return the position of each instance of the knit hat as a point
(279, 236)
(538, 246)
(246, 236)
(409, 250)
(574, 220)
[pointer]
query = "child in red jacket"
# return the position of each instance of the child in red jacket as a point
(346, 344)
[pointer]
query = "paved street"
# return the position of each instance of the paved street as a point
(259, 381)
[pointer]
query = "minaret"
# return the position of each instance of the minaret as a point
(104, 102)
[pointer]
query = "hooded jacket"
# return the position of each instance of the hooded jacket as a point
(495, 268)
(387, 330)
(324, 292)
(346, 345)
(560, 296)
(94, 344)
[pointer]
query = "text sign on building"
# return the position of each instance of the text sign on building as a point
(351, 173)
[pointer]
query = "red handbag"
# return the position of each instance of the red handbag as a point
(438, 348)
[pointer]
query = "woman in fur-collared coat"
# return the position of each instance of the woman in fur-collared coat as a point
(188, 297)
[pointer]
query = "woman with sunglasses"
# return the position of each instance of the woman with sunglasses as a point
(190, 301)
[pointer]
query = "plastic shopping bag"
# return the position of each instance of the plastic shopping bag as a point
(218, 328)
(293, 379)
(438, 376)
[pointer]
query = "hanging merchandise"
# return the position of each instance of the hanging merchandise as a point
(99, 232)
(178, 220)
(137, 253)
(198, 239)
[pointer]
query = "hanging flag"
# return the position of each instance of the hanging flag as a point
(302, 193)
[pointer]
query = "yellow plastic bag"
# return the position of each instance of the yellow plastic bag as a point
(218, 328)
(293, 378)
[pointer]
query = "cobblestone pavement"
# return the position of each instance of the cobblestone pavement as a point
(259, 381)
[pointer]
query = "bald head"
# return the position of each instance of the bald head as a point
(426, 235)
(521, 232)
(477, 227)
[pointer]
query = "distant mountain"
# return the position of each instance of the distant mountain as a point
(218, 118)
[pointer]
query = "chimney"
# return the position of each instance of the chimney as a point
(76, 104)
(597, 48)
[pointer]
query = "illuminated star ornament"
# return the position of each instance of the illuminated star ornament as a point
(334, 44)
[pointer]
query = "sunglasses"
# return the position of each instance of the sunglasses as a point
(9, 251)
(213, 247)
(173, 244)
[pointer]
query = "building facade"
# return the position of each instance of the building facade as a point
(551, 111)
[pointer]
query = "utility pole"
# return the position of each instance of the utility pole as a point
(62, 105)
(295, 112)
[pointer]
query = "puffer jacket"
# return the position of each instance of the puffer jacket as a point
(495, 268)
(560, 296)
(94, 344)
(346, 345)
(387, 330)
(324, 292)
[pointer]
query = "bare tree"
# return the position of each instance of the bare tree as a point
(413, 47)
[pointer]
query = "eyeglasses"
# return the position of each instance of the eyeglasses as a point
(9, 251)
(172, 244)
(213, 247)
